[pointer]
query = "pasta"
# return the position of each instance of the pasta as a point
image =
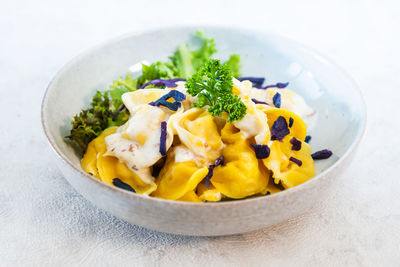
(242, 175)
(207, 158)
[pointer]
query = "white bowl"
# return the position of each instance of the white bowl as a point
(326, 87)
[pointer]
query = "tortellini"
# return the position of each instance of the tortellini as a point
(197, 130)
(207, 159)
(242, 175)
(106, 168)
(178, 178)
(288, 173)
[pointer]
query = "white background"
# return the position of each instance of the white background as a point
(43, 221)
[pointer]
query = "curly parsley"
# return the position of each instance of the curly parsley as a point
(212, 85)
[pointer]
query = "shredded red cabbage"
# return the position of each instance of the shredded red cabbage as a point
(262, 151)
(307, 139)
(277, 100)
(291, 121)
(322, 154)
(279, 129)
(163, 139)
(162, 101)
(256, 81)
(296, 144)
(297, 161)
(160, 83)
(258, 102)
(119, 183)
(277, 85)
(217, 162)
(115, 115)
(158, 167)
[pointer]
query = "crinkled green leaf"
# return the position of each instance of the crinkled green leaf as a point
(91, 122)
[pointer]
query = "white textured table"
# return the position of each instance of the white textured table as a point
(43, 221)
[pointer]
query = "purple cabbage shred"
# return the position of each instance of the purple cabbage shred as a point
(277, 85)
(291, 121)
(296, 144)
(262, 151)
(256, 81)
(162, 101)
(158, 167)
(277, 100)
(121, 108)
(163, 139)
(297, 161)
(218, 161)
(160, 83)
(279, 129)
(308, 138)
(259, 102)
(322, 154)
(119, 183)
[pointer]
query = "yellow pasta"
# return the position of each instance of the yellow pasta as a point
(203, 158)
(208, 194)
(241, 175)
(298, 129)
(288, 173)
(178, 178)
(89, 161)
(107, 168)
(197, 130)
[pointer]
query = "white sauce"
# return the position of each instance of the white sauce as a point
(183, 154)
(137, 142)
(253, 124)
(289, 100)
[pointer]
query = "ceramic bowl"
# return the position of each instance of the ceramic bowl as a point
(339, 125)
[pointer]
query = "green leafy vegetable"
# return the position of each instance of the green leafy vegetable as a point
(118, 88)
(234, 65)
(187, 62)
(212, 85)
(183, 63)
(89, 123)
(157, 70)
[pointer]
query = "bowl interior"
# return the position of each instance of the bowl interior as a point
(340, 108)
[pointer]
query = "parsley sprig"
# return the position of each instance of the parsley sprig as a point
(212, 84)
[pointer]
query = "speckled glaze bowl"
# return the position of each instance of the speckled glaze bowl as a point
(339, 125)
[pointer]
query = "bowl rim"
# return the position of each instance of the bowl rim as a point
(247, 201)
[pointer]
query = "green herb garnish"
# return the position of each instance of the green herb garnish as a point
(212, 85)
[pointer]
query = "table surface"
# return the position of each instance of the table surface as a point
(44, 221)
